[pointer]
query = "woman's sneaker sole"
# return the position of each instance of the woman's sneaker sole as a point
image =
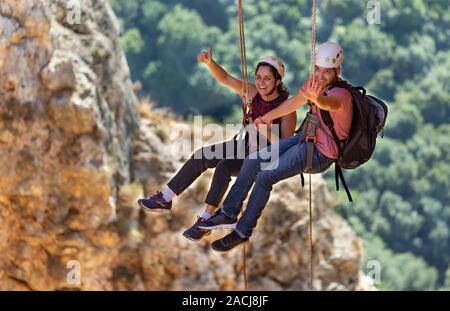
(154, 210)
(223, 226)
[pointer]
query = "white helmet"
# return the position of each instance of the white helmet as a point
(276, 63)
(329, 55)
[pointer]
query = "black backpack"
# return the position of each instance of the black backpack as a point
(369, 118)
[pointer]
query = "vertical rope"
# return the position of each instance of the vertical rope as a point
(313, 61)
(310, 238)
(245, 97)
(313, 36)
(242, 44)
(245, 269)
(243, 55)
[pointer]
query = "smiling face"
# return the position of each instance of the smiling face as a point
(266, 83)
(326, 76)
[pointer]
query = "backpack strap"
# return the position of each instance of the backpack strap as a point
(326, 117)
(338, 174)
(341, 83)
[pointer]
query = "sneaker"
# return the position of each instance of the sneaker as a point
(194, 233)
(218, 221)
(155, 203)
(228, 242)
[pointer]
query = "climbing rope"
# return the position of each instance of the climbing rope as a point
(245, 269)
(313, 36)
(313, 59)
(243, 53)
(245, 98)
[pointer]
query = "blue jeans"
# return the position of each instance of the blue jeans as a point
(291, 162)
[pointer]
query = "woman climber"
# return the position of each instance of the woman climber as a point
(265, 94)
(324, 94)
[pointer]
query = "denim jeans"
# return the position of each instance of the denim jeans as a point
(291, 162)
(227, 164)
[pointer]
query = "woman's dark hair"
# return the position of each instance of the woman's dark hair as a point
(281, 88)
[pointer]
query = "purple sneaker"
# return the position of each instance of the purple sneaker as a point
(194, 233)
(155, 203)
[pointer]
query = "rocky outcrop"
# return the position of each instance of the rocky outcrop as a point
(76, 152)
(67, 121)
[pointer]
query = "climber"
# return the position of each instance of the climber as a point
(293, 151)
(267, 93)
